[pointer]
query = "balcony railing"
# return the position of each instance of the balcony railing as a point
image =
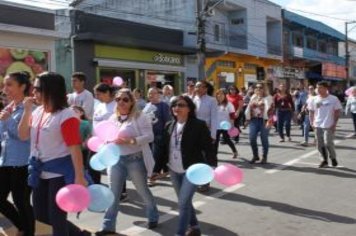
(315, 55)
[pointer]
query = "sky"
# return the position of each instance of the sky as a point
(332, 12)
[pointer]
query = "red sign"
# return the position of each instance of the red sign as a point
(333, 70)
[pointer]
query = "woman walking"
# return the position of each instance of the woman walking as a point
(284, 105)
(15, 156)
(226, 113)
(135, 131)
(56, 157)
(351, 106)
(187, 141)
(257, 115)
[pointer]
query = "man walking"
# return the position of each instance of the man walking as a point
(324, 112)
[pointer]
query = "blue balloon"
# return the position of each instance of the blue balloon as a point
(225, 125)
(96, 164)
(101, 198)
(200, 174)
(109, 154)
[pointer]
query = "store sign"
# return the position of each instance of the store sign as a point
(165, 59)
(289, 72)
(138, 55)
(333, 70)
(17, 59)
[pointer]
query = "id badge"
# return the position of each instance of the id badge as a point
(176, 154)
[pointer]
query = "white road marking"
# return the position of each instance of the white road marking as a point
(135, 230)
(294, 161)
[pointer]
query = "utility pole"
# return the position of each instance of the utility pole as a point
(347, 53)
(201, 15)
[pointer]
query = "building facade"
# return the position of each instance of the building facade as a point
(311, 53)
(28, 43)
(243, 37)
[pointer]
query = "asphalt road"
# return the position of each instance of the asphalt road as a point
(289, 196)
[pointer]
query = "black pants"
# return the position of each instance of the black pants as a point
(354, 120)
(227, 139)
(14, 180)
(157, 147)
(47, 211)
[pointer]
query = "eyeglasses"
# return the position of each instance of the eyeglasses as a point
(259, 87)
(179, 105)
(126, 100)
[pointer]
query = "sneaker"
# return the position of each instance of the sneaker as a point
(334, 162)
(323, 164)
(105, 232)
(151, 182)
(152, 225)
(193, 232)
(289, 139)
(163, 175)
(235, 155)
(254, 159)
(304, 144)
(281, 141)
(124, 197)
(204, 188)
(264, 160)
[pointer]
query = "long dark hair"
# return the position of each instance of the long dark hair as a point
(190, 103)
(22, 78)
(53, 90)
(225, 101)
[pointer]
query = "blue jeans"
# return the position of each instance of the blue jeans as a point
(257, 125)
(306, 128)
(284, 119)
(185, 191)
(134, 166)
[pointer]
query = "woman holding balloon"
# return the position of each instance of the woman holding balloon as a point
(257, 115)
(56, 158)
(135, 130)
(188, 142)
(226, 115)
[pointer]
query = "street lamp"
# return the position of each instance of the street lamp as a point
(347, 53)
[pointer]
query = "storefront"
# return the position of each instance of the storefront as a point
(143, 55)
(291, 76)
(139, 67)
(237, 69)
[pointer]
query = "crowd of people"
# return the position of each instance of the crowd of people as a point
(44, 132)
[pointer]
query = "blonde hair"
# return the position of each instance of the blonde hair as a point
(134, 111)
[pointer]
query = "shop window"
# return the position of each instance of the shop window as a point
(128, 76)
(229, 64)
(237, 21)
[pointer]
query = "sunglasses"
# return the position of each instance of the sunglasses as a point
(126, 100)
(179, 105)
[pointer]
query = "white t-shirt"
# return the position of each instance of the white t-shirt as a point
(103, 111)
(84, 99)
(51, 144)
(175, 162)
(324, 110)
(224, 113)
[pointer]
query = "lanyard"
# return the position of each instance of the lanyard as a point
(40, 125)
(177, 136)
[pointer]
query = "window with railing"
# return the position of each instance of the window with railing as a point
(322, 47)
(216, 33)
(311, 43)
(297, 39)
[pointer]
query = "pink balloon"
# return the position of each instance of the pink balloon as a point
(348, 91)
(228, 174)
(73, 198)
(117, 81)
(233, 132)
(106, 130)
(94, 143)
(274, 118)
